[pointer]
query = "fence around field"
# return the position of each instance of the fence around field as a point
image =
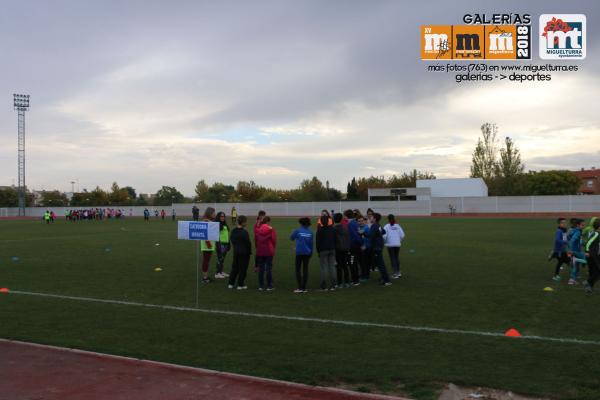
(436, 205)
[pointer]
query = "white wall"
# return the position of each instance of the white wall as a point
(522, 204)
(467, 187)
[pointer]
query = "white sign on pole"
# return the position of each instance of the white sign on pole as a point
(197, 230)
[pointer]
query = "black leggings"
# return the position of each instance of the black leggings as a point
(561, 258)
(302, 270)
(342, 259)
(594, 271)
(239, 268)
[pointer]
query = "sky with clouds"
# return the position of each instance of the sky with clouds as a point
(151, 93)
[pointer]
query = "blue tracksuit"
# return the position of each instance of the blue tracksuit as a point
(304, 241)
(575, 248)
(366, 240)
(355, 239)
(560, 241)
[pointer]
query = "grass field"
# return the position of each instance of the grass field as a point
(467, 274)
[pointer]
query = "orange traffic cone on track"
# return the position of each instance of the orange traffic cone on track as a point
(512, 332)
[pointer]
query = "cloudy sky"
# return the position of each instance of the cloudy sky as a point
(151, 93)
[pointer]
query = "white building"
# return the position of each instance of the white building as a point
(460, 187)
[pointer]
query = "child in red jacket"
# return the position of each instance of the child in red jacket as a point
(266, 240)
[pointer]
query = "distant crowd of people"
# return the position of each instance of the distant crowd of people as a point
(99, 214)
(94, 214)
(349, 247)
(162, 213)
(86, 214)
(577, 246)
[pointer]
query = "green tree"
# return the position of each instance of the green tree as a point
(201, 191)
(141, 200)
(508, 177)
(99, 197)
(372, 182)
(352, 190)
(310, 190)
(485, 153)
(119, 196)
(510, 164)
(249, 191)
(131, 192)
(219, 193)
(270, 196)
(408, 180)
(9, 197)
(54, 198)
(553, 183)
(167, 195)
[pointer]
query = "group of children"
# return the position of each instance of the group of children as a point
(349, 247)
(94, 214)
(577, 246)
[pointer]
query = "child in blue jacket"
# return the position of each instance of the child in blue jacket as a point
(304, 249)
(560, 250)
(575, 248)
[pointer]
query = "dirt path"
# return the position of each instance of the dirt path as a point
(31, 371)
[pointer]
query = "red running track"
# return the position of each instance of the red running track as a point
(30, 371)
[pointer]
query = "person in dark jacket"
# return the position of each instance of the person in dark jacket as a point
(592, 252)
(560, 250)
(326, 250)
(342, 251)
(304, 249)
(377, 242)
(242, 249)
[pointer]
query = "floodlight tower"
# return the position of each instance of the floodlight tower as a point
(21, 104)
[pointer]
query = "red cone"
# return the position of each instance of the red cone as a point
(512, 332)
(3, 290)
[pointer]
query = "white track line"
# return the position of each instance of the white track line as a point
(309, 319)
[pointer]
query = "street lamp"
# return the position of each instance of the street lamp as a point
(21, 104)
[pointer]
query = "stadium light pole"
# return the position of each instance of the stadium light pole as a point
(21, 104)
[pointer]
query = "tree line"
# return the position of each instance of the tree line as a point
(504, 173)
(500, 166)
(244, 191)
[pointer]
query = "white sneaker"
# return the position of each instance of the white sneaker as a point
(229, 286)
(219, 276)
(225, 275)
(242, 287)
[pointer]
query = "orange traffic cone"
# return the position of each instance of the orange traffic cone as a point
(3, 290)
(512, 332)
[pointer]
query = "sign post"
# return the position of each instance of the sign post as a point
(196, 231)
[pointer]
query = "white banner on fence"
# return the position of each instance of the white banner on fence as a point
(197, 230)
